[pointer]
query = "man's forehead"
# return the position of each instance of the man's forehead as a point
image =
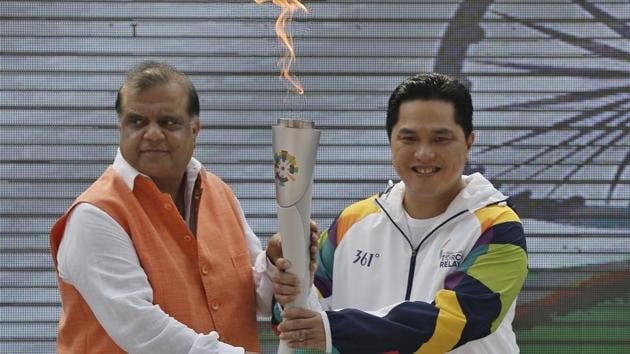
(143, 101)
(132, 87)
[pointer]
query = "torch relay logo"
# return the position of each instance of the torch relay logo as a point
(449, 259)
(286, 167)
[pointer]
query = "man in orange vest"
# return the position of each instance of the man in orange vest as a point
(156, 256)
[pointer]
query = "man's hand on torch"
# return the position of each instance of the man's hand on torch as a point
(302, 328)
(285, 284)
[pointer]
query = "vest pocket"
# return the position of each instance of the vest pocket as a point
(243, 268)
(241, 262)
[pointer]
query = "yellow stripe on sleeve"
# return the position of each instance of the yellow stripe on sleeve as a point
(353, 214)
(495, 214)
(448, 327)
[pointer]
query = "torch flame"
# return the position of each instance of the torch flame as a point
(287, 7)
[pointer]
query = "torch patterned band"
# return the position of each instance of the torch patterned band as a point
(286, 167)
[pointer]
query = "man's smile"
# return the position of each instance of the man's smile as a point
(425, 170)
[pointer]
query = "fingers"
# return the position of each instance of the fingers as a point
(314, 239)
(285, 284)
(274, 248)
(284, 299)
(300, 335)
(314, 343)
(314, 228)
(314, 250)
(296, 328)
(302, 328)
(283, 264)
(285, 295)
(297, 313)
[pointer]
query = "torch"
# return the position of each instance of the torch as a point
(295, 145)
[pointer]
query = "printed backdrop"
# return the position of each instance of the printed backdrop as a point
(550, 82)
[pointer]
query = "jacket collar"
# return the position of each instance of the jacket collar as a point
(477, 193)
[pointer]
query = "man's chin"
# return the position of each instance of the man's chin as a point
(155, 170)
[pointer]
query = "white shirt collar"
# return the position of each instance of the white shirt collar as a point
(129, 174)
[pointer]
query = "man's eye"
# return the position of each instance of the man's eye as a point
(440, 139)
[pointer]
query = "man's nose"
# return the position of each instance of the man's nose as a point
(153, 132)
(424, 151)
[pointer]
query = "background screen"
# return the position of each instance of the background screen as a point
(551, 88)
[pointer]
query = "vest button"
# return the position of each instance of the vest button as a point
(204, 270)
(187, 238)
(215, 307)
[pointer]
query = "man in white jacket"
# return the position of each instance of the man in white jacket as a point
(433, 264)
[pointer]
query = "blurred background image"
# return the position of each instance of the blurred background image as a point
(551, 87)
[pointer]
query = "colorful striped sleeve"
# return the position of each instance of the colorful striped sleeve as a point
(331, 238)
(472, 304)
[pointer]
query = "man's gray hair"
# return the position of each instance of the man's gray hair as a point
(151, 73)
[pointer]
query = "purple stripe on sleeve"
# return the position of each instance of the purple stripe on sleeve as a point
(332, 234)
(485, 238)
(323, 285)
(453, 280)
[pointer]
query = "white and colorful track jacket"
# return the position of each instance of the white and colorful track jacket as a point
(455, 292)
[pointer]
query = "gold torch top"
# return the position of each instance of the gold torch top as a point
(295, 123)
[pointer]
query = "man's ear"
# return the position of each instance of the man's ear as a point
(470, 140)
(195, 124)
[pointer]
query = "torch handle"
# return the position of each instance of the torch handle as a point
(294, 224)
(283, 348)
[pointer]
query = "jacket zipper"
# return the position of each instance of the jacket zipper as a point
(414, 252)
(412, 270)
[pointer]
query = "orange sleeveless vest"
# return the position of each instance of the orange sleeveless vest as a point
(204, 281)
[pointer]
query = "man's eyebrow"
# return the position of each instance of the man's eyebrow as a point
(406, 131)
(171, 116)
(443, 131)
(132, 115)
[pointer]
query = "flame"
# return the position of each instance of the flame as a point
(288, 7)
